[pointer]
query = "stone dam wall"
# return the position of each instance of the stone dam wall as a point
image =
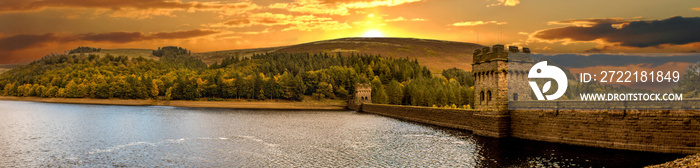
(664, 131)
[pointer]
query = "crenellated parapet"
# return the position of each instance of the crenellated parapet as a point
(500, 75)
(498, 52)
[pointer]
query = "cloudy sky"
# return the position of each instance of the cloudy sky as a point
(30, 29)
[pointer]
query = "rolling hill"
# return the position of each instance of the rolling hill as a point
(435, 54)
(129, 52)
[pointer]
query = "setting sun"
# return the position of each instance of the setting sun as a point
(373, 33)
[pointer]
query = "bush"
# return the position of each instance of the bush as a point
(215, 99)
(317, 96)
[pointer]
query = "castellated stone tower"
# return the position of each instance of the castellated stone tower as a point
(500, 76)
(363, 93)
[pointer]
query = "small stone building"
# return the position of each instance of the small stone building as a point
(500, 76)
(363, 93)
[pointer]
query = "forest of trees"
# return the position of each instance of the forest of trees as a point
(290, 76)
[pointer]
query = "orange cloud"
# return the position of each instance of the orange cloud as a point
(696, 8)
(311, 6)
(337, 7)
(267, 30)
(476, 23)
(27, 47)
(266, 19)
(667, 48)
(302, 23)
(310, 22)
(376, 3)
(127, 8)
(505, 3)
(181, 34)
(23, 41)
(616, 21)
(399, 19)
(673, 31)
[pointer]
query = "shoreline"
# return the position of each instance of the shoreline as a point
(333, 105)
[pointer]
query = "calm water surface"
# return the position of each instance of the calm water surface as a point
(44, 134)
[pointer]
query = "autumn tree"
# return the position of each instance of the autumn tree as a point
(394, 91)
(379, 96)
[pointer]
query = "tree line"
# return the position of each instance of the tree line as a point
(84, 50)
(291, 76)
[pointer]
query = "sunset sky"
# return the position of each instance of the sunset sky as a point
(30, 29)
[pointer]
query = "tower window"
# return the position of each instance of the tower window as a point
(515, 96)
(482, 96)
(489, 95)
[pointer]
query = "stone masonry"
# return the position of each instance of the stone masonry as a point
(501, 78)
(363, 93)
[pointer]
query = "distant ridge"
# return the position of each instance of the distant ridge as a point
(434, 54)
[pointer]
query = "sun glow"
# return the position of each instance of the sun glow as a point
(373, 33)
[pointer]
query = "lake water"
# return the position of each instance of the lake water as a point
(44, 134)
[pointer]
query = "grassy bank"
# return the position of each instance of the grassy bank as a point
(226, 103)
